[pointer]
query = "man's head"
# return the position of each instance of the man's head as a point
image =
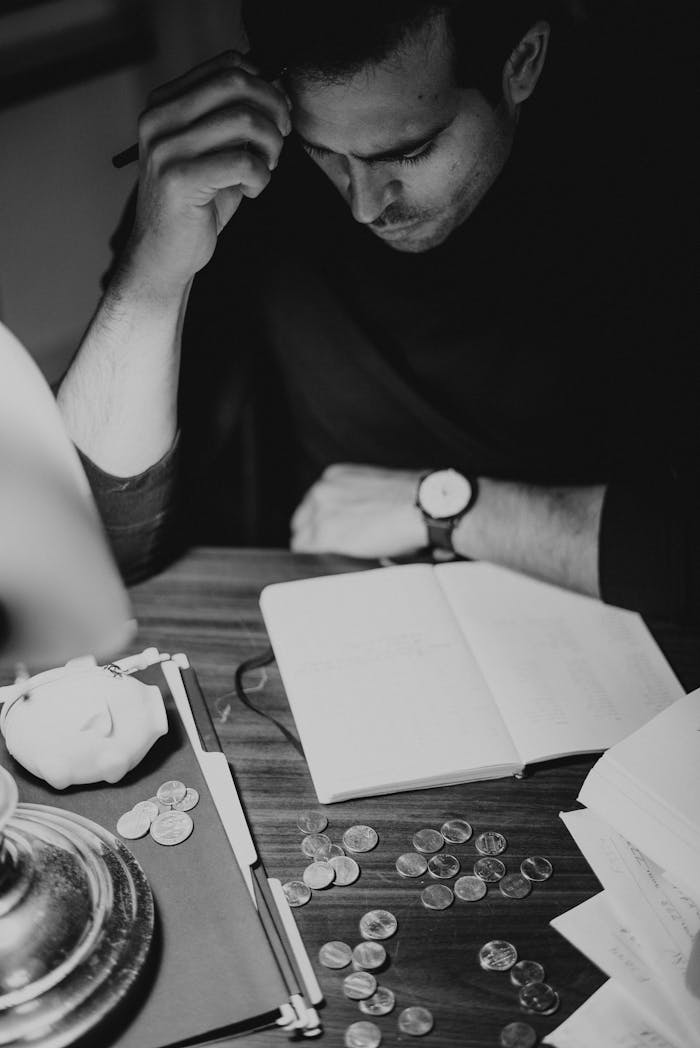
(410, 109)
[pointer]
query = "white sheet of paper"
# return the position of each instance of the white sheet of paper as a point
(664, 919)
(569, 673)
(647, 787)
(608, 1019)
(384, 692)
(594, 928)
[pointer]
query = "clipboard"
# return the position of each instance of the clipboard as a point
(226, 956)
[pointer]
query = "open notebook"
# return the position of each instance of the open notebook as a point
(413, 676)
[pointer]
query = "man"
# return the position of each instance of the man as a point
(438, 283)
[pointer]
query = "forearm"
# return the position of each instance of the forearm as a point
(119, 396)
(550, 533)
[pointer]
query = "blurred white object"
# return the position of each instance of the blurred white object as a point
(81, 722)
(60, 591)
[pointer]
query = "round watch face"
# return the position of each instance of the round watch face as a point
(444, 494)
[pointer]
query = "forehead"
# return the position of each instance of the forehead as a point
(407, 93)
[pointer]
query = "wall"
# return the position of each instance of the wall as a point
(60, 197)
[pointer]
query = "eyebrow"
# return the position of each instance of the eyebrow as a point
(400, 149)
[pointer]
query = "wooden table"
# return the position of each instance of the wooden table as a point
(207, 606)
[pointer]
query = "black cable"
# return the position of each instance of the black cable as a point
(256, 662)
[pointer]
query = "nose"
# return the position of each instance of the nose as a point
(370, 191)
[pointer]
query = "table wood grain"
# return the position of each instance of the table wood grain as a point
(207, 606)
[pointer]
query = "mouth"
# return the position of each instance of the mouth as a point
(396, 232)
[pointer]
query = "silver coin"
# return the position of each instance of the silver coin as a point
(378, 924)
(456, 831)
(335, 850)
(316, 846)
(490, 842)
(311, 821)
(335, 954)
(171, 827)
(437, 897)
(470, 889)
(296, 893)
(443, 866)
(497, 956)
(539, 998)
(363, 1034)
(346, 870)
(368, 956)
(525, 972)
(515, 886)
(489, 869)
(416, 1021)
(360, 839)
(428, 841)
(359, 985)
(133, 824)
(319, 875)
(189, 801)
(171, 792)
(381, 1002)
(149, 807)
(517, 1035)
(536, 868)
(411, 864)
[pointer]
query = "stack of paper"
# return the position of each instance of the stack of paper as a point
(643, 929)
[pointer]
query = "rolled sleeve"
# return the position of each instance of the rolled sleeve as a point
(649, 553)
(139, 513)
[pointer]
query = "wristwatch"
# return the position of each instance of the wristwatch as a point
(443, 497)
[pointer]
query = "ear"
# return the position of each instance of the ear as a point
(522, 70)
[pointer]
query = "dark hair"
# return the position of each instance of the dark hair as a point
(311, 39)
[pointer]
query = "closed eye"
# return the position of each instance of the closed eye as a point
(413, 157)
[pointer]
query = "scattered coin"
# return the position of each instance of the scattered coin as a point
(437, 897)
(428, 841)
(171, 827)
(456, 831)
(360, 839)
(368, 955)
(335, 954)
(497, 956)
(151, 808)
(411, 864)
(316, 846)
(311, 821)
(296, 893)
(189, 801)
(539, 997)
(363, 1034)
(443, 866)
(319, 875)
(381, 1002)
(517, 1035)
(378, 924)
(515, 886)
(525, 972)
(346, 870)
(171, 792)
(536, 868)
(335, 850)
(490, 843)
(489, 869)
(359, 985)
(469, 889)
(133, 824)
(416, 1021)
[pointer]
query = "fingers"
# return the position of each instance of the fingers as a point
(212, 87)
(241, 126)
(198, 179)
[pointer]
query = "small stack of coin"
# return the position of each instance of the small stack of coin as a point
(164, 816)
